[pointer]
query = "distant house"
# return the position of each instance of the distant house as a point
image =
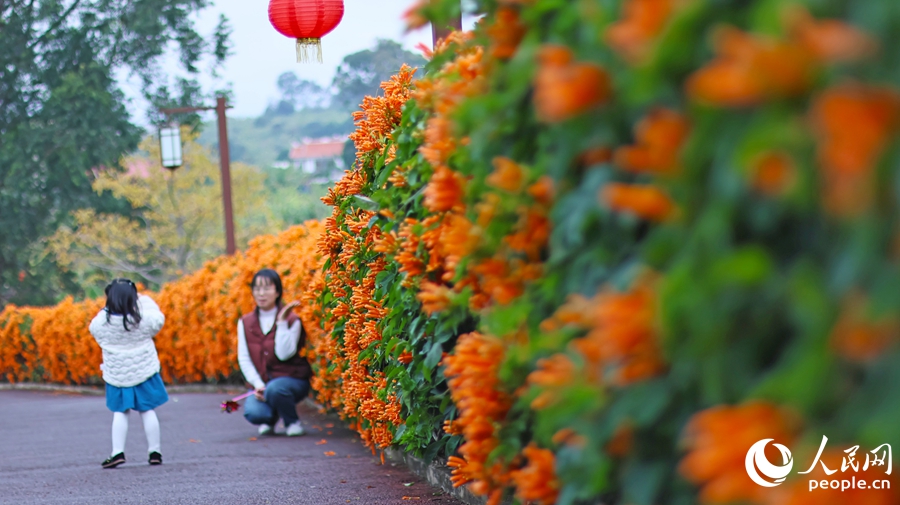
(321, 158)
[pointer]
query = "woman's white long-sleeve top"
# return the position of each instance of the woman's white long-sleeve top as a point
(286, 340)
(129, 357)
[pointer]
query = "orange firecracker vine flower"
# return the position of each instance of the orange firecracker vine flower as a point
(543, 190)
(853, 124)
(564, 88)
(452, 428)
(414, 16)
(718, 440)
(659, 137)
(568, 436)
(531, 234)
(434, 297)
(537, 481)
(646, 202)
(773, 173)
(829, 40)
(551, 376)
(475, 387)
(622, 343)
(507, 175)
(642, 22)
(445, 190)
(506, 32)
(751, 69)
(859, 337)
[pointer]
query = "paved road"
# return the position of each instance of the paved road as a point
(51, 446)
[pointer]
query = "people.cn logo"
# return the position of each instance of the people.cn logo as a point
(756, 460)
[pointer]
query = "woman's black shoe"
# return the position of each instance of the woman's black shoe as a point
(114, 460)
(155, 458)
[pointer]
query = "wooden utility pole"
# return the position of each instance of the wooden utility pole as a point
(224, 164)
(440, 32)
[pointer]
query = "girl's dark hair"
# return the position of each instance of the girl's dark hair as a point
(121, 300)
(273, 278)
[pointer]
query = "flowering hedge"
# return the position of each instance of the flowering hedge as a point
(198, 343)
(628, 239)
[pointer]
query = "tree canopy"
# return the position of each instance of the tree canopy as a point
(62, 114)
(178, 224)
(361, 73)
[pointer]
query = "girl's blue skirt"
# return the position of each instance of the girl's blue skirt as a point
(145, 396)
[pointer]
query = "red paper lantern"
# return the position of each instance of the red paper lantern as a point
(307, 21)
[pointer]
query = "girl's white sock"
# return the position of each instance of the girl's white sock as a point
(119, 432)
(151, 429)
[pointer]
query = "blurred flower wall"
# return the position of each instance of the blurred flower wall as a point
(594, 252)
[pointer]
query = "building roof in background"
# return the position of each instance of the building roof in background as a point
(311, 149)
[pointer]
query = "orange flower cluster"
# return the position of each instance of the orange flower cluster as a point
(773, 173)
(506, 32)
(502, 277)
(537, 482)
(644, 201)
(564, 88)
(50, 344)
(718, 440)
(474, 386)
(198, 343)
(751, 69)
(859, 337)
(659, 140)
(622, 343)
(659, 137)
(642, 21)
(552, 375)
(357, 392)
(854, 124)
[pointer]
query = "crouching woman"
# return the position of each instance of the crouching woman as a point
(269, 340)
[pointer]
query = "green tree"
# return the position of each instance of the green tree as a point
(177, 223)
(62, 114)
(293, 198)
(360, 74)
(301, 93)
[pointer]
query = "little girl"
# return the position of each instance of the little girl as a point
(125, 329)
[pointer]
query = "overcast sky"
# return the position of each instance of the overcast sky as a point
(260, 54)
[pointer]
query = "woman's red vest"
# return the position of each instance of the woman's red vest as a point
(262, 349)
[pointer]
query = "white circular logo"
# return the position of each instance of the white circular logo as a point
(756, 459)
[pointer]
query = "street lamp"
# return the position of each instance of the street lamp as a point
(173, 139)
(170, 147)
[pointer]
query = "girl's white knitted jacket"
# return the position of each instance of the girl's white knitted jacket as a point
(129, 357)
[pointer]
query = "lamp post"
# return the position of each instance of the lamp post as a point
(224, 160)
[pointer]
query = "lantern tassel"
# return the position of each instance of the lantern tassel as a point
(305, 47)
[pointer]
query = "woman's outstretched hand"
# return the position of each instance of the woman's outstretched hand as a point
(260, 394)
(284, 310)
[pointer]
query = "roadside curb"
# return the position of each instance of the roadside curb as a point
(437, 474)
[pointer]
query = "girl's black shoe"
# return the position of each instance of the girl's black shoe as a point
(155, 458)
(114, 460)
